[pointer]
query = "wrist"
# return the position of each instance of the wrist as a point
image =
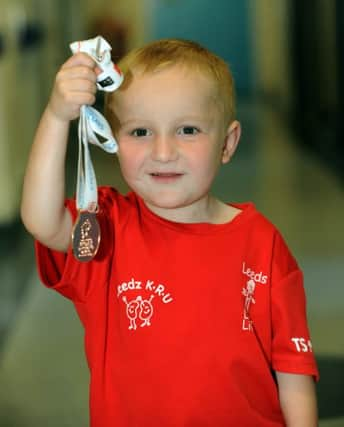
(58, 119)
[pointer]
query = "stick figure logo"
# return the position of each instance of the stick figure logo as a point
(139, 308)
(248, 292)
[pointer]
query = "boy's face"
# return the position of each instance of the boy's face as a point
(172, 138)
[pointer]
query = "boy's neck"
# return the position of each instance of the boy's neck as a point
(207, 210)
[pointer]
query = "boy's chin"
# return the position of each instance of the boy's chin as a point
(167, 202)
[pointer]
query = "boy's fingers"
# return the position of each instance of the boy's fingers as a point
(79, 58)
(81, 98)
(78, 72)
(81, 86)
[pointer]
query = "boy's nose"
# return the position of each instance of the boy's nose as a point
(164, 149)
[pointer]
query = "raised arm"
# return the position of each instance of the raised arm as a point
(42, 208)
(297, 399)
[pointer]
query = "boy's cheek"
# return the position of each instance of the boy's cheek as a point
(123, 147)
(128, 158)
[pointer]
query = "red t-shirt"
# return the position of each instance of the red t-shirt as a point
(185, 323)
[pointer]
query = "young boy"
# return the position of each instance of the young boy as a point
(193, 309)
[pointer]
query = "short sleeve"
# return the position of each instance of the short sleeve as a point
(292, 350)
(73, 279)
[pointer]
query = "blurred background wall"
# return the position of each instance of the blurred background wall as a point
(33, 39)
(227, 33)
(288, 64)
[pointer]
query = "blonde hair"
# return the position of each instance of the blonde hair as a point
(165, 53)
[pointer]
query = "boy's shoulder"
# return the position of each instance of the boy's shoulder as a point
(264, 236)
(254, 218)
(109, 200)
(110, 196)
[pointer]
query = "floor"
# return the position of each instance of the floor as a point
(43, 375)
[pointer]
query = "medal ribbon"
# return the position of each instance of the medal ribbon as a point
(93, 127)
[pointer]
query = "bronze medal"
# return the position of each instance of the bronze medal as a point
(86, 236)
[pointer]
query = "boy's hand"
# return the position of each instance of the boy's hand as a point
(75, 85)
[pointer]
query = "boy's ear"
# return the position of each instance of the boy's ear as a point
(231, 141)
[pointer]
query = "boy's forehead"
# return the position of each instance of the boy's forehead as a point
(176, 87)
(165, 79)
(169, 68)
(175, 91)
(168, 88)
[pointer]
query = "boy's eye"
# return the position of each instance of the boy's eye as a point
(141, 132)
(188, 130)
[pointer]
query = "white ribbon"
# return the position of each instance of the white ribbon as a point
(93, 127)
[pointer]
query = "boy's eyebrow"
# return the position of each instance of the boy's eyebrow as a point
(133, 121)
(184, 119)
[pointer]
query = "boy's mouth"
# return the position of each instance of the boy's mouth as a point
(165, 176)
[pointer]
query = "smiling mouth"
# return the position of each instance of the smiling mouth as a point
(165, 174)
(165, 177)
